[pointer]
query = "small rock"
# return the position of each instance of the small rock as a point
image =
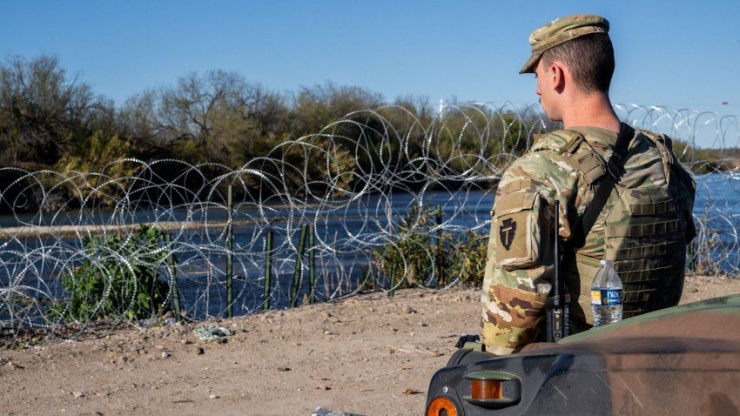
(181, 399)
(322, 387)
(211, 333)
(213, 396)
(283, 369)
(13, 366)
(165, 354)
(200, 351)
(78, 394)
(320, 411)
(410, 391)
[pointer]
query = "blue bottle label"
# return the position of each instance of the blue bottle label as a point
(609, 297)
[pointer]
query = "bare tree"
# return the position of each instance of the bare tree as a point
(315, 108)
(212, 117)
(41, 110)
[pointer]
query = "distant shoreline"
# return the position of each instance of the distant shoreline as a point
(97, 229)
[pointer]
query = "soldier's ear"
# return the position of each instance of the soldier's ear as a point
(558, 72)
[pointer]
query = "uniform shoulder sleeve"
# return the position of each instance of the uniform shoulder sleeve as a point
(545, 170)
(520, 262)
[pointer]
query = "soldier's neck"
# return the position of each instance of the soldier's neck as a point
(594, 110)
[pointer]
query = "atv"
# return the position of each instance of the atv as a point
(683, 360)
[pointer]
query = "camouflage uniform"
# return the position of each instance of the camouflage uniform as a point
(645, 226)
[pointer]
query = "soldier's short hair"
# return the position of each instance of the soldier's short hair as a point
(590, 59)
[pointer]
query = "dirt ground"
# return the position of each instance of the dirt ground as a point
(365, 355)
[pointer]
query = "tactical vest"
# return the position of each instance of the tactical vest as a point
(644, 226)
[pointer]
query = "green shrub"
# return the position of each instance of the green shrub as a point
(409, 255)
(119, 278)
(417, 255)
(468, 258)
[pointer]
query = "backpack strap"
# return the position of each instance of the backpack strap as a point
(614, 169)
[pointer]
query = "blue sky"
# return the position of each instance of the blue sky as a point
(680, 54)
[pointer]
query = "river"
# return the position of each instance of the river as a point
(345, 235)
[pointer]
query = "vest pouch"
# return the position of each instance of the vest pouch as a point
(518, 218)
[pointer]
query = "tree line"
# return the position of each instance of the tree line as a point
(53, 121)
(49, 119)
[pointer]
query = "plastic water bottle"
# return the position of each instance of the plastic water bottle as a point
(606, 295)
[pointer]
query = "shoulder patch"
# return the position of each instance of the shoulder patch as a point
(517, 219)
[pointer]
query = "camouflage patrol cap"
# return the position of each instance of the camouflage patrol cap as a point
(560, 31)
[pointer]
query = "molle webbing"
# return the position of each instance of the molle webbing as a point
(642, 252)
(653, 208)
(637, 272)
(641, 230)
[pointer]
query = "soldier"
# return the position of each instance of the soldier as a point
(643, 220)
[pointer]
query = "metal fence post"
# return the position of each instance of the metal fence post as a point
(440, 247)
(268, 269)
(298, 267)
(229, 260)
(174, 290)
(392, 290)
(311, 267)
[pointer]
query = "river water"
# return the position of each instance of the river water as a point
(345, 234)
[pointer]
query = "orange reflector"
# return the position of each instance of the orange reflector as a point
(493, 389)
(486, 389)
(441, 406)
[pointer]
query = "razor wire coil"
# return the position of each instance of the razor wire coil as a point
(367, 180)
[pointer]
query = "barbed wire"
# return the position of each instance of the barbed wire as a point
(351, 185)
